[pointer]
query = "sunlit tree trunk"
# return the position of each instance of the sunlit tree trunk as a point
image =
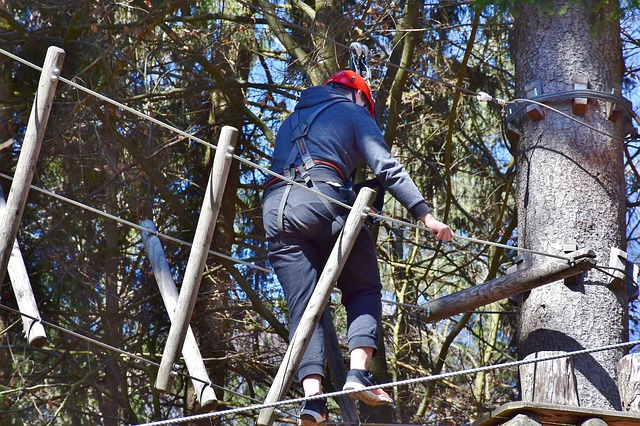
(571, 188)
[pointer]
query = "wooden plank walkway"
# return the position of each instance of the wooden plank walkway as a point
(554, 415)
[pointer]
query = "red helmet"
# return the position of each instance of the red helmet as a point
(355, 81)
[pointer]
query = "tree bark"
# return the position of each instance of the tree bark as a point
(571, 188)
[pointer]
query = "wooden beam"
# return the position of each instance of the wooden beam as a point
(348, 408)
(545, 272)
(523, 420)
(26, 167)
(555, 414)
(629, 382)
(190, 352)
(198, 255)
(317, 304)
(33, 329)
(551, 381)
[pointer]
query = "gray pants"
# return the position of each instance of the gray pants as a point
(299, 254)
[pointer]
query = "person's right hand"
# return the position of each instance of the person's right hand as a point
(439, 230)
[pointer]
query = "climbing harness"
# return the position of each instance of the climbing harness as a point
(299, 133)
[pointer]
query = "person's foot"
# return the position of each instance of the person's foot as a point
(313, 412)
(359, 379)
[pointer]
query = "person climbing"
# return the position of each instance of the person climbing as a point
(320, 145)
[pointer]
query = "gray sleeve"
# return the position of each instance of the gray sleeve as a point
(396, 180)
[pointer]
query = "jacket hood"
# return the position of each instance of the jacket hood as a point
(316, 95)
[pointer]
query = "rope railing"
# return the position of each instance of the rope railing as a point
(267, 170)
(481, 96)
(398, 383)
(279, 404)
(122, 352)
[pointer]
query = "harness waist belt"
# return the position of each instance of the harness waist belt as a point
(319, 173)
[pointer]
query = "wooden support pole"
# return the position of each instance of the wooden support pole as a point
(629, 382)
(190, 352)
(317, 304)
(198, 255)
(33, 329)
(26, 167)
(550, 382)
(543, 273)
(593, 422)
(523, 420)
(348, 409)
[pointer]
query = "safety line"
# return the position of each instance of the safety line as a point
(274, 174)
(480, 95)
(139, 227)
(120, 351)
(81, 336)
(186, 243)
(291, 181)
(471, 239)
(396, 384)
(398, 221)
(114, 102)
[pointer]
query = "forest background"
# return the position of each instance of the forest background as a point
(200, 65)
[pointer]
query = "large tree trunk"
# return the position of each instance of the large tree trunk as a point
(571, 189)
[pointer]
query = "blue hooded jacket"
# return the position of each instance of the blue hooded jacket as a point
(344, 135)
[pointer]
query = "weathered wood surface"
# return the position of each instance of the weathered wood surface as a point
(593, 422)
(523, 420)
(190, 352)
(629, 382)
(317, 304)
(198, 255)
(33, 329)
(551, 382)
(543, 273)
(333, 352)
(554, 415)
(26, 167)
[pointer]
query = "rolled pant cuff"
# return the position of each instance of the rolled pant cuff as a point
(363, 341)
(309, 369)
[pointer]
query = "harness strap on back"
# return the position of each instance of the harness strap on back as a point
(299, 133)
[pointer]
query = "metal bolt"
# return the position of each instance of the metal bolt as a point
(229, 153)
(55, 73)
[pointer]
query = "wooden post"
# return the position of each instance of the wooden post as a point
(518, 282)
(33, 329)
(317, 304)
(551, 381)
(190, 352)
(524, 420)
(10, 221)
(198, 255)
(629, 382)
(593, 422)
(348, 409)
